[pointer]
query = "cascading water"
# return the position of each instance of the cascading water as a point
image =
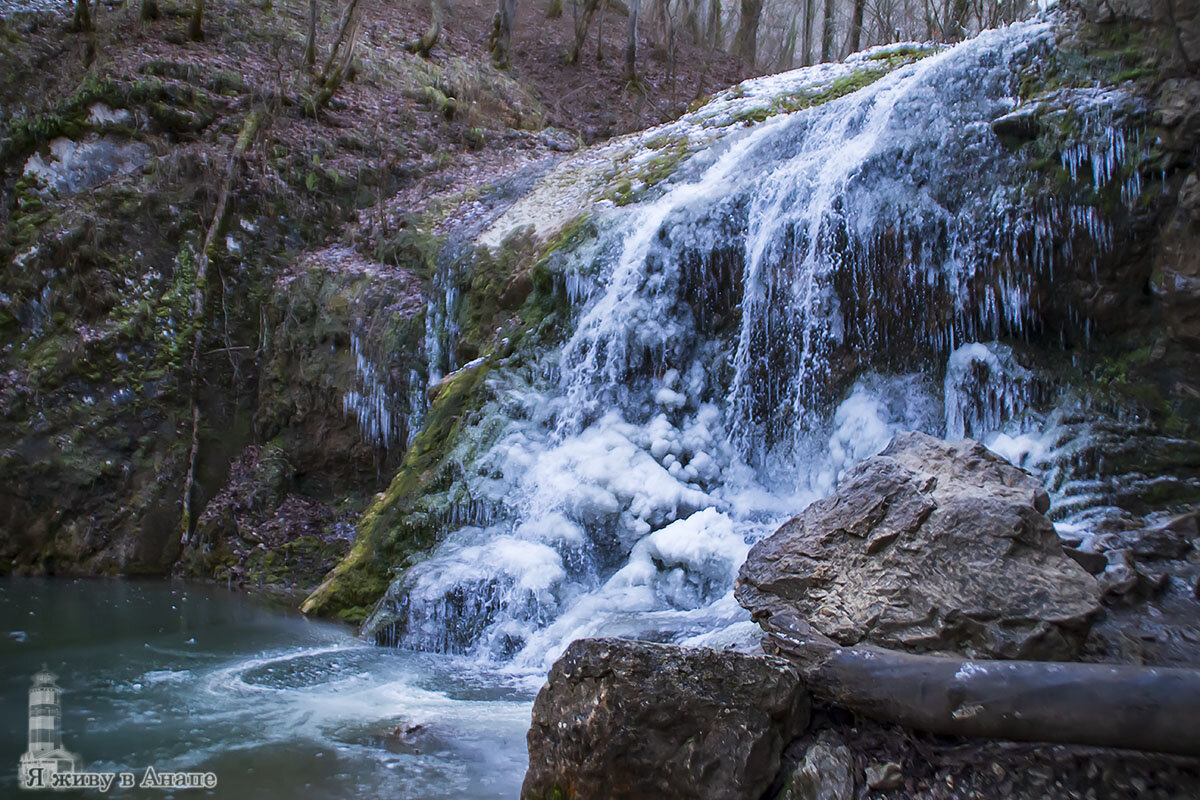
(799, 292)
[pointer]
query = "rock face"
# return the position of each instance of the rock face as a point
(75, 166)
(623, 719)
(929, 546)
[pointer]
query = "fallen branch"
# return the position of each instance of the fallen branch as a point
(1140, 708)
(199, 301)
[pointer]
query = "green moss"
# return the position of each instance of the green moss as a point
(904, 55)
(514, 288)
(1115, 52)
(809, 98)
(402, 522)
(630, 183)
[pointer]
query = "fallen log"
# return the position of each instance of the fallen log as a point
(1140, 708)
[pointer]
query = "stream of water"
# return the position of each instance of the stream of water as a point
(189, 677)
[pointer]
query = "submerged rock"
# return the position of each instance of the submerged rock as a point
(624, 719)
(929, 546)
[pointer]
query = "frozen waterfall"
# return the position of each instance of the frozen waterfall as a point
(797, 293)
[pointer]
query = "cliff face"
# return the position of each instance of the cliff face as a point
(115, 150)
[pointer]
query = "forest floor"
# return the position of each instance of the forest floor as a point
(384, 117)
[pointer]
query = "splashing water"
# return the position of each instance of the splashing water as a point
(801, 291)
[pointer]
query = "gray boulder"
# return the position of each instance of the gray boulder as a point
(929, 546)
(624, 719)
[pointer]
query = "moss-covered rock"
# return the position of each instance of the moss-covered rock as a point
(409, 516)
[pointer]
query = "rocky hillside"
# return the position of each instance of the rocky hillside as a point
(133, 159)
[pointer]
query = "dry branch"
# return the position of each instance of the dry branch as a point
(199, 302)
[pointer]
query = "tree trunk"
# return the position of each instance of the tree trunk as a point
(199, 302)
(150, 11)
(1143, 708)
(310, 41)
(501, 38)
(856, 24)
(691, 20)
(631, 34)
(555, 10)
(335, 71)
(581, 29)
(956, 14)
(83, 17)
(827, 33)
(600, 33)
(787, 53)
(745, 41)
(347, 24)
(196, 24)
(427, 42)
(810, 10)
(713, 34)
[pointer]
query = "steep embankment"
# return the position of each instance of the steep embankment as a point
(132, 155)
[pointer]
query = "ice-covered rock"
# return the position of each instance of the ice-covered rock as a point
(73, 166)
(929, 546)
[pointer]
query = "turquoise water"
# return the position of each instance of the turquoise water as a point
(193, 677)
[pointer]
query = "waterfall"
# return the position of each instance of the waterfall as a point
(800, 290)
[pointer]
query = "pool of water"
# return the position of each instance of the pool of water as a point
(189, 677)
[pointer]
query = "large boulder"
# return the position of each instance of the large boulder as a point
(623, 719)
(929, 546)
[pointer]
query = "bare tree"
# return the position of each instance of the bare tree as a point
(501, 38)
(745, 41)
(600, 33)
(827, 32)
(196, 24)
(581, 28)
(631, 33)
(810, 11)
(346, 26)
(954, 17)
(83, 17)
(712, 24)
(691, 20)
(787, 53)
(856, 23)
(340, 55)
(250, 127)
(310, 41)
